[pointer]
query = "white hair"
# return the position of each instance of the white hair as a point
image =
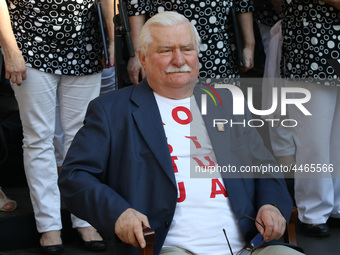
(167, 18)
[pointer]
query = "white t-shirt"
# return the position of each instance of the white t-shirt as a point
(203, 207)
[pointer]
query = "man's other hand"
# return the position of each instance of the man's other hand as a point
(129, 227)
(273, 221)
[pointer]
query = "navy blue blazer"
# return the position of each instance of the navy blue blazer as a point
(120, 159)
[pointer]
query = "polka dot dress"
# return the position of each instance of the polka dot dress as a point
(311, 36)
(58, 36)
(265, 13)
(212, 20)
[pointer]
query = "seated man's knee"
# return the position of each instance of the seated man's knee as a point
(174, 251)
(277, 250)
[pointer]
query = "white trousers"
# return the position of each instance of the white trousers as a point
(265, 35)
(317, 139)
(58, 138)
(108, 80)
(107, 84)
(281, 138)
(282, 141)
(37, 105)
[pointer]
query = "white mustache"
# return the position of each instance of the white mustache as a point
(183, 69)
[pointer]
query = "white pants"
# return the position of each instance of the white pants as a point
(281, 138)
(37, 105)
(58, 138)
(108, 80)
(317, 139)
(265, 35)
(107, 84)
(282, 141)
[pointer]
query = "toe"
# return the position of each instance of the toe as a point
(9, 206)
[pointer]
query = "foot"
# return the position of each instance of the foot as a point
(6, 204)
(91, 239)
(89, 234)
(317, 230)
(50, 238)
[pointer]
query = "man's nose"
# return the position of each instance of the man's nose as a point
(178, 58)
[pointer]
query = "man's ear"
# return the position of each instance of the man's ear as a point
(141, 59)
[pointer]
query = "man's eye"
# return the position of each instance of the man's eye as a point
(165, 51)
(187, 49)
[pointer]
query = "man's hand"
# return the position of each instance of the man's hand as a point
(129, 227)
(273, 221)
(135, 68)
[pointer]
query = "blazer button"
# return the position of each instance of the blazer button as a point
(167, 224)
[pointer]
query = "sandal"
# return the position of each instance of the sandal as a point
(5, 200)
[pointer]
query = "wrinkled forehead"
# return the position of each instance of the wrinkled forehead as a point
(180, 34)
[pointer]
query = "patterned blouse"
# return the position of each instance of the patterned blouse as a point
(265, 13)
(58, 36)
(212, 20)
(311, 36)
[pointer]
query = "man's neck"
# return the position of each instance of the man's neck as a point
(175, 93)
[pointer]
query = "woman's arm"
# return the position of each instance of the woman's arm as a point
(134, 67)
(14, 62)
(246, 24)
(108, 12)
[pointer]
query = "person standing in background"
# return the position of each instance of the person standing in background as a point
(6, 204)
(213, 21)
(53, 49)
(267, 14)
(310, 39)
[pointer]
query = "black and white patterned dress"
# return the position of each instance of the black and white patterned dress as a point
(311, 36)
(265, 13)
(58, 36)
(212, 20)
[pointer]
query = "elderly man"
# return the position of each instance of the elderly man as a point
(129, 166)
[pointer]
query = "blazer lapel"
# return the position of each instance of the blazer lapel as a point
(149, 123)
(220, 140)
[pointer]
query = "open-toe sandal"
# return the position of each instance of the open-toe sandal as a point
(5, 200)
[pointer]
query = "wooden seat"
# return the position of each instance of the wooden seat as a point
(289, 235)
